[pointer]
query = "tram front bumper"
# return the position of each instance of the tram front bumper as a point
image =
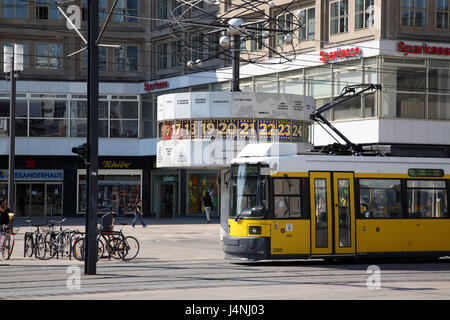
(249, 248)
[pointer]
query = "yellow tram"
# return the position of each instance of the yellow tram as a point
(284, 205)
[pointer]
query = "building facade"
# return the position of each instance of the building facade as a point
(51, 109)
(404, 45)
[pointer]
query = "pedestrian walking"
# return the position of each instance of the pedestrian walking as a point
(138, 214)
(4, 212)
(207, 204)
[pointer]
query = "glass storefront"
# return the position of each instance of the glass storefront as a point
(165, 193)
(64, 115)
(118, 191)
(200, 182)
(35, 197)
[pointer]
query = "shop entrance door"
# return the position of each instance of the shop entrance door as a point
(23, 199)
(166, 200)
(39, 199)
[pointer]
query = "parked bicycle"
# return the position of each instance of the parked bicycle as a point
(110, 244)
(7, 240)
(34, 242)
(58, 240)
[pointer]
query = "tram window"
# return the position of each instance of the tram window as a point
(287, 198)
(380, 198)
(427, 199)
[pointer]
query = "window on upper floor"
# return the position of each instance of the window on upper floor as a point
(161, 56)
(25, 52)
(414, 13)
(102, 10)
(227, 4)
(338, 17)
(126, 11)
(364, 14)
(126, 58)
(175, 53)
(49, 56)
(308, 28)
(197, 47)
(443, 14)
(284, 24)
(257, 40)
(101, 59)
(162, 9)
(47, 10)
(15, 9)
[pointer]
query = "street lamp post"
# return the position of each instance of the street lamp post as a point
(92, 141)
(13, 63)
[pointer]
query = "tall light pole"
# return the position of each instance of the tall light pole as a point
(92, 141)
(89, 151)
(13, 63)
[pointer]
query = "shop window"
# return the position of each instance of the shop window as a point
(364, 14)
(286, 198)
(319, 82)
(438, 107)
(439, 80)
(414, 13)
(443, 14)
(15, 9)
(198, 184)
(117, 192)
(427, 199)
(338, 17)
(292, 82)
(380, 198)
(410, 105)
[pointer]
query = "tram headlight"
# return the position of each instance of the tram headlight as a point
(254, 230)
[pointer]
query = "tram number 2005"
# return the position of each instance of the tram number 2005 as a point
(277, 250)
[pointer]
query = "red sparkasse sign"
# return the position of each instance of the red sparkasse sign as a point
(156, 85)
(422, 49)
(339, 53)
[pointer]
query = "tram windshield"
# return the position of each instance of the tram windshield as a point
(249, 191)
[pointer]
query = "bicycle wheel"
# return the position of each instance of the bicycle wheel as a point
(28, 250)
(8, 245)
(64, 244)
(42, 248)
(52, 243)
(79, 250)
(115, 247)
(131, 248)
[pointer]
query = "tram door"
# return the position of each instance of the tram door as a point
(332, 213)
(344, 213)
(321, 222)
